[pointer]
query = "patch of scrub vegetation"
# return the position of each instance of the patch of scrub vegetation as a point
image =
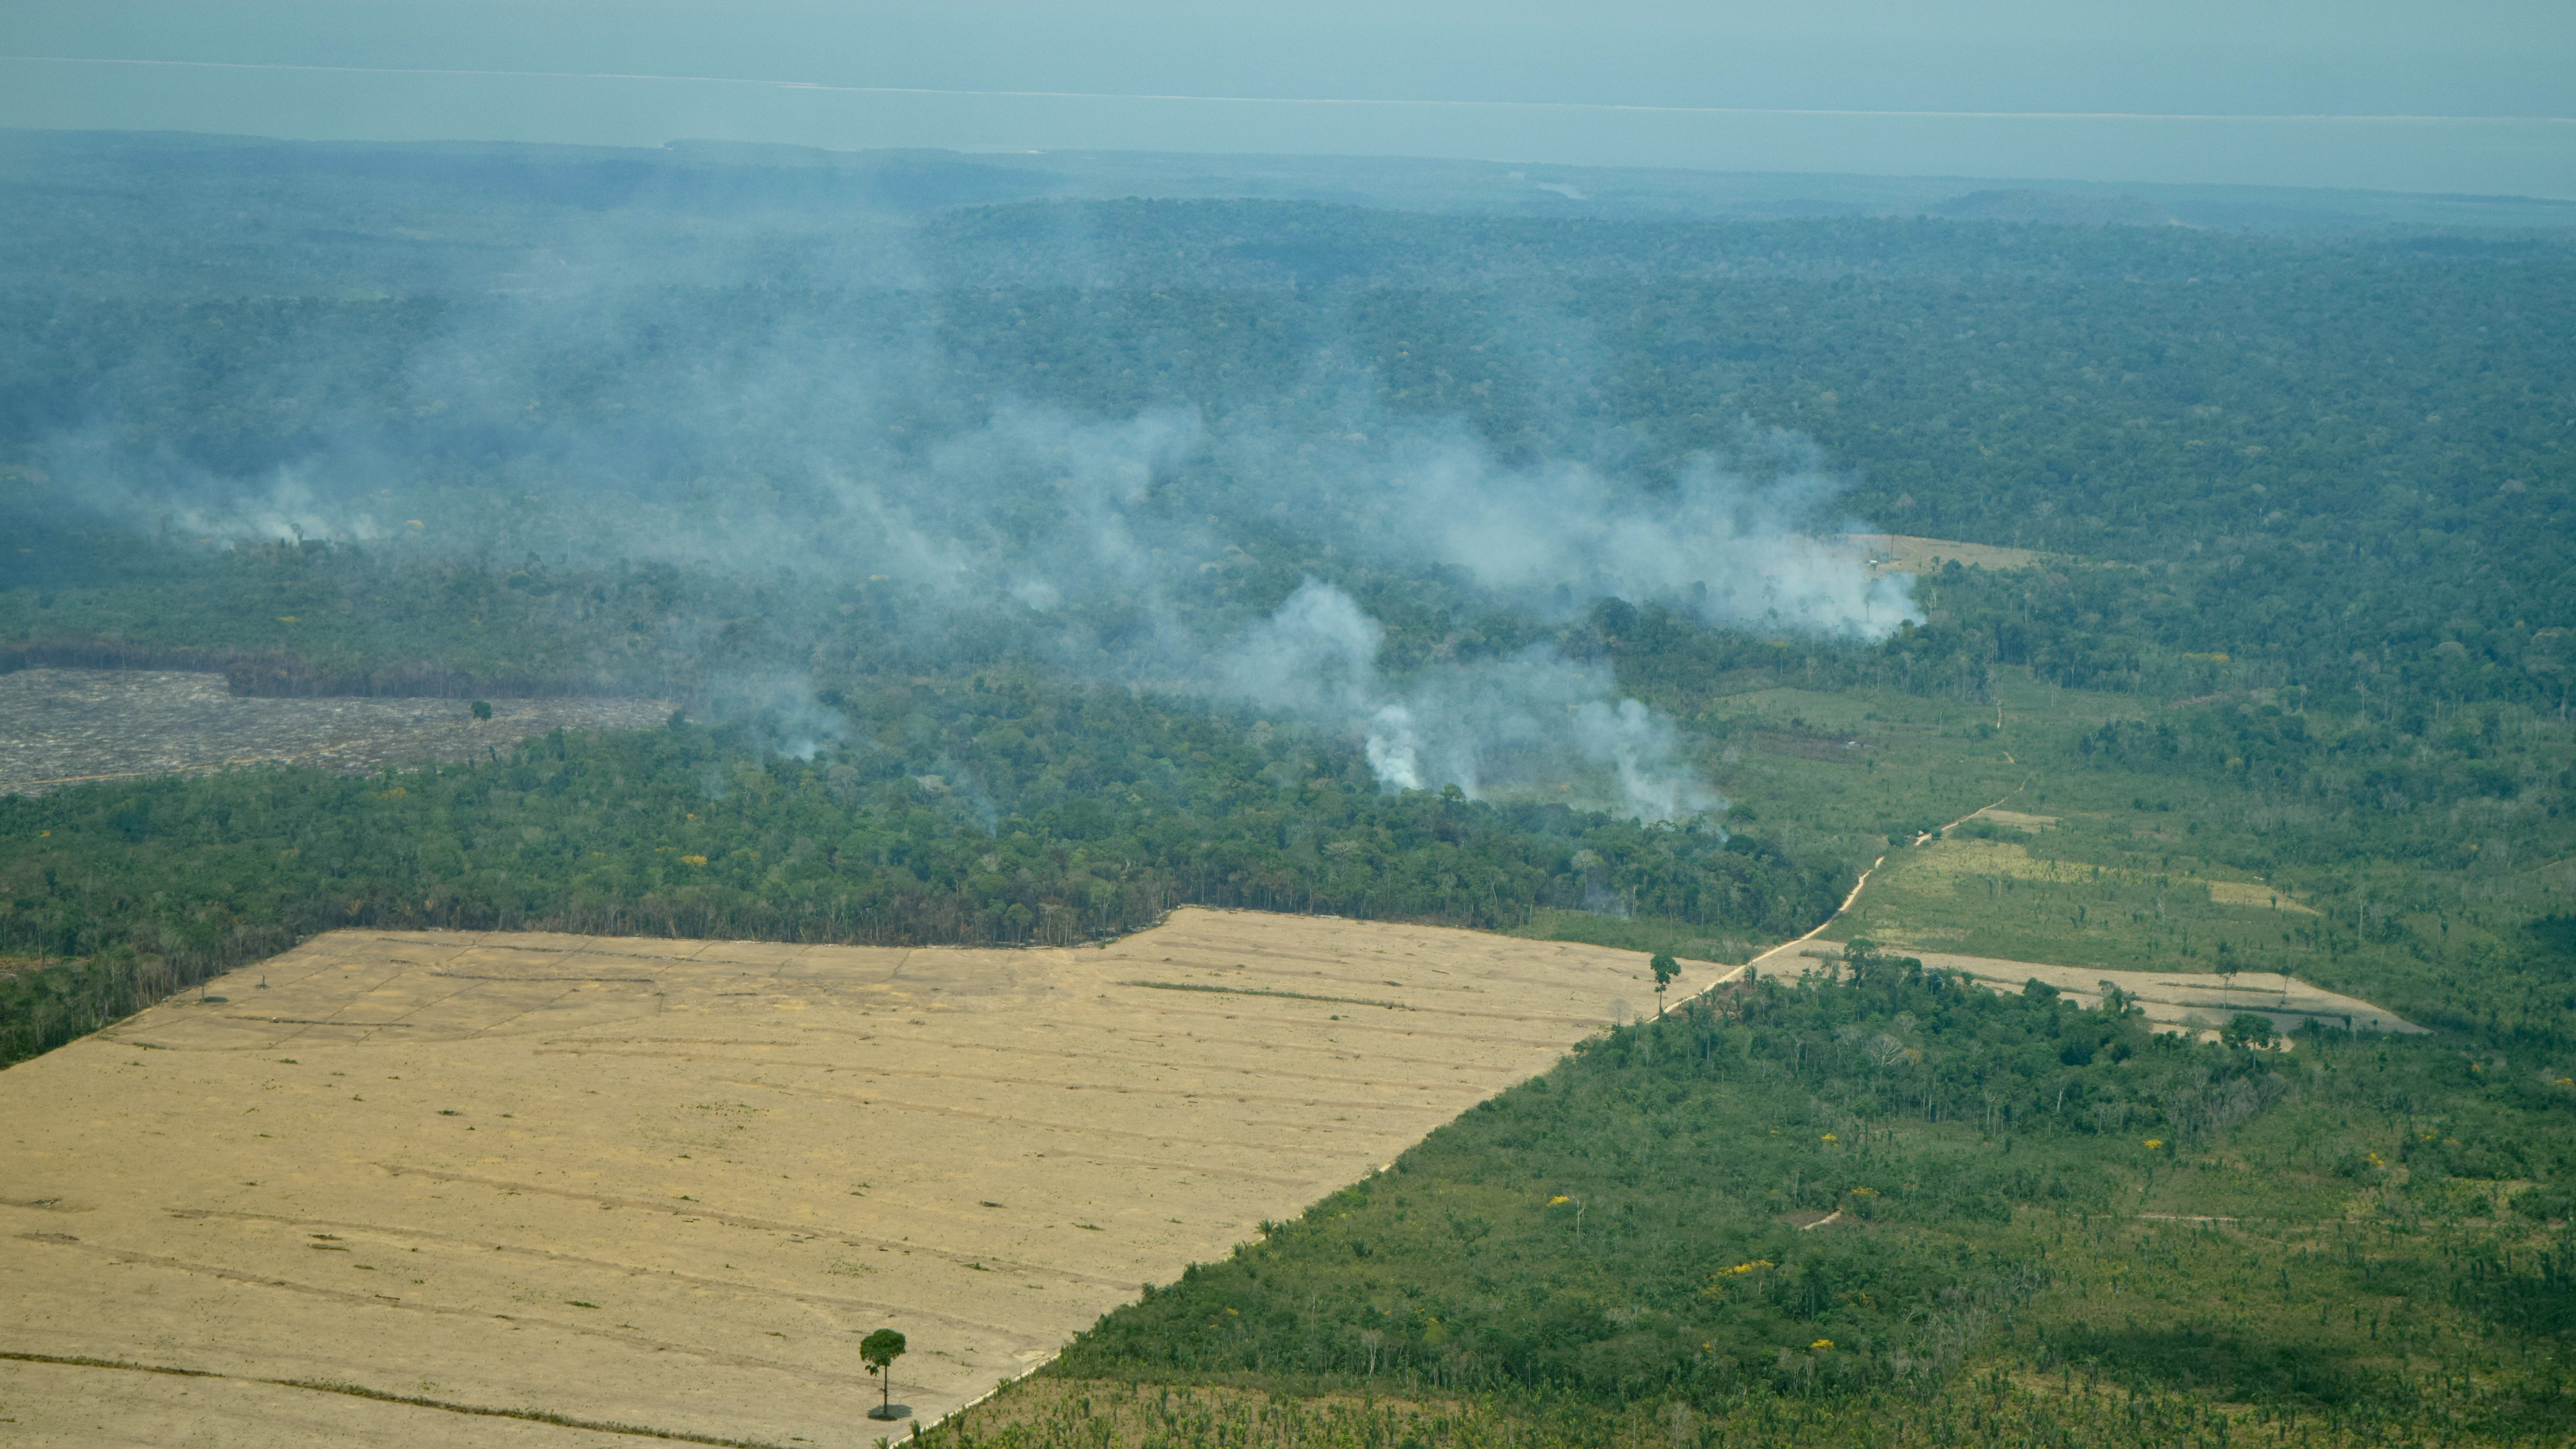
(2009, 1405)
(2137, 836)
(1797, 1207)
(2020, 902)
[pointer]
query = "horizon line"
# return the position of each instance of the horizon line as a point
(1413, 103)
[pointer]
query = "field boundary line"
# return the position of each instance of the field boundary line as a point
(405, 1305)
(1031, 1083)
(361, 1391)
(1265, 991)
(1165, 1139)
(469, 976)
(1542, 981)
(1458, 1013)
(1336, 1052)
(629, 1269)
(1554, 1044)
(988, 1393)
(738, 1220)
(600, 1043)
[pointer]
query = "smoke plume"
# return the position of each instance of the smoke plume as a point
(1232, 546)
(1521, 724)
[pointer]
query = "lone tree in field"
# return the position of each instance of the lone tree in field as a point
(878, 1351)
(1665, 968)
(2247, 1028)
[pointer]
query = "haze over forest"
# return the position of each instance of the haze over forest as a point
(2070, 676)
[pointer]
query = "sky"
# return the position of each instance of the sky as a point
(2473, 96)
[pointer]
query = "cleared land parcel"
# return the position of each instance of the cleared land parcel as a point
(673, 1182)
(2180, 1001)
(65, 726)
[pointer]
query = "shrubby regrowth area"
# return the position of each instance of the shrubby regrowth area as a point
(1017, 569)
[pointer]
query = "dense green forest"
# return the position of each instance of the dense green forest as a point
(1998, 1147)
(2342, 465)
(999, 812)
(1798, 1210)
(964, 534)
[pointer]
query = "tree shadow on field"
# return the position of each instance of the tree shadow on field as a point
(2230, 1368)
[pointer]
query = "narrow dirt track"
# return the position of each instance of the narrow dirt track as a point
(1788, 948)
(2173, 1000)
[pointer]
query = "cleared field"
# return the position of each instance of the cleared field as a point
(64, 726)
(1904, 553)
(672, 1183)
(2181, 1001)
(2017, 819)
(1952, 889)
(2043, 900)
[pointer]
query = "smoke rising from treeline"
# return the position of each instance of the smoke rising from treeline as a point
(1227, 546)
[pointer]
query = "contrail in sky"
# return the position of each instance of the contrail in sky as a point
(1419, 104)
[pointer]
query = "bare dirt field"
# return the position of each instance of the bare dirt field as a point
(2190, 1002)
(672, 1183)
(65, 726)
(2198, 1002)
(2015, 818)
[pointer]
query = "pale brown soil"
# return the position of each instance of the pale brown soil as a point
(43, 1404)
(2017, 819)
(671, 1183)
(2194, 1001)
(68, 726)
(2254, 893)
(2188, 1003)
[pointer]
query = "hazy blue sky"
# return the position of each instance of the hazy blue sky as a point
(2471, 96)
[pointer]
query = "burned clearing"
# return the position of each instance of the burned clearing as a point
(62, 727)
(579, 1175)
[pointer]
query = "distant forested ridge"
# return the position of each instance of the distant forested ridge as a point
(2344, 464)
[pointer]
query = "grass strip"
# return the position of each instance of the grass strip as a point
(1265, 991)
(77, 1361)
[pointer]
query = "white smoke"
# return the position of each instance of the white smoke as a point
(1316, 654)
(1526, 724)
(285, 509)
(1086, 531)
(1639, 745)
(1092, 485)
(782, 710)
(1394, 754)
(1717, 545)
(1722, 544)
